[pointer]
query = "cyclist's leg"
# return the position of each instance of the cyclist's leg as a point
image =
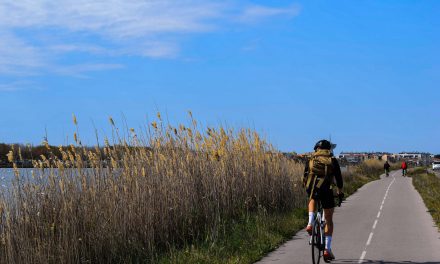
(312, 208)
(311, 211)
(328, 214)
(328, 255)
(312, 205)
(328, 204)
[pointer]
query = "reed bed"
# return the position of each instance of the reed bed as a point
(139, 195)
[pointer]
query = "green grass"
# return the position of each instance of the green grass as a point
(245, 241)
(428, 185)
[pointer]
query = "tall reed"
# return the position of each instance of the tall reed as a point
(140, 194)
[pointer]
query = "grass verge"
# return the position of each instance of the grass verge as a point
(428, 185)
(245, 241)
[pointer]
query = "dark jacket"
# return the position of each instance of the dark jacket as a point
(337, 174)
(386, 166)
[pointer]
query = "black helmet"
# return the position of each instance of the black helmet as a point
(323, 144)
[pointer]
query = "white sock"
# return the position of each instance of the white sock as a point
(328, 243)
(311, 218)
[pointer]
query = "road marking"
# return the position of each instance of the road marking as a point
(362, 256)
(370, 237)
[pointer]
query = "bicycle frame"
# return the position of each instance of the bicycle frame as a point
(317, 239)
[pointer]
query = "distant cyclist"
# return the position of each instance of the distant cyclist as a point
(404, 168)
(319, 174)
(386, 167)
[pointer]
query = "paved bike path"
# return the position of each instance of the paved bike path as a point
(385, 221)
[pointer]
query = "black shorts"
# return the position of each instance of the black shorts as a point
(325, 195)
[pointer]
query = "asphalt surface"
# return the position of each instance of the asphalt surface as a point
(385, 221)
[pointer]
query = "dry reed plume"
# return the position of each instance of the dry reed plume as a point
(137, 196)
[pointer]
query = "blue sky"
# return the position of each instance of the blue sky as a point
(365, 72)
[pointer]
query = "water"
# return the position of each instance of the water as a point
(7, 175)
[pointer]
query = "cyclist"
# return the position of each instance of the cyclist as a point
(404, 168)
(386, 167)
(319, 174)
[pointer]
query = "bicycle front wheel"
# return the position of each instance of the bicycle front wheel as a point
(316, 242)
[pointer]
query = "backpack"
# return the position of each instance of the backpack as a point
(320, 169)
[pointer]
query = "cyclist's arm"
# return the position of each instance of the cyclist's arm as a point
(306, 172)
(338, 174)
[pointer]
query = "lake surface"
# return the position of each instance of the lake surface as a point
(7, 175)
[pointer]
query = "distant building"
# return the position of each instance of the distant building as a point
(417, 158)
(389, 157)
(356, 157)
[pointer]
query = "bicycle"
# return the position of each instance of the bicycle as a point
(317, 239)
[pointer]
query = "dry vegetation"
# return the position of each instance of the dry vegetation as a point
(360, 174)
(143, 194)
(428, 185)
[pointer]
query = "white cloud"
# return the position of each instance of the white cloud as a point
(80, 70)
(17, 86)
(9, 87)
(258, 12)
(23, 59)
(136, 27)
(112, 18)
(86, 48)
(17, 56)
(37, 33)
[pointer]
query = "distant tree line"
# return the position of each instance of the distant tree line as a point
(24, 154)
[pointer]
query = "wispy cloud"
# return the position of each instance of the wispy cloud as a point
(78, 47)
(257, 12)
(102, 28)
(17, 86)
(113, 19)
(80, 70)
(17, 56)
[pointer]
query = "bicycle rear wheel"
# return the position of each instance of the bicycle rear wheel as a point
(316, 242)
